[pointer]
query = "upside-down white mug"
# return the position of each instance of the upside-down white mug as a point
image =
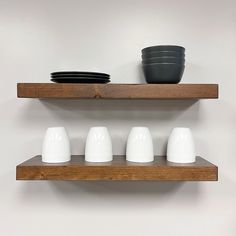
(180, 148)
(139, 145)
(56, 146)
(98, 146)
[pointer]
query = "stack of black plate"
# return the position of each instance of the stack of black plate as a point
(80, 77)
(163, 64)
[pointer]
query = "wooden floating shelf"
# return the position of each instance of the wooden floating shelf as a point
(118, 169)
(117, 91)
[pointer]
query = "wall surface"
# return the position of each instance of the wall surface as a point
(38, 37)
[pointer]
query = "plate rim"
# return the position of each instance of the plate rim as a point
(81, 78)
(68, 81)
(77, 76)
(80, 72)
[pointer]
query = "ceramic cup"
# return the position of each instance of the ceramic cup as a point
(180, 148)
(139, 145)
(56, 146)
(98, 146)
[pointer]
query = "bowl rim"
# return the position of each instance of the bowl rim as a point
(164, 63)
(163, 53)
(164, 58)
(161, 47)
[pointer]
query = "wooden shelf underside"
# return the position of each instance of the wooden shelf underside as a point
(117, 91)
(118, 169)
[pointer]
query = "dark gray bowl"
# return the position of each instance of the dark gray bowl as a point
(163, 73)
(148, 55)
(164, 60)
(164, 48)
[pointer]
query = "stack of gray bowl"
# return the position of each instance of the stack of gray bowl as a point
(163, 64)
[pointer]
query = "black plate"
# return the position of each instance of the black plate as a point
(83, 73)
(81, 81)
(79, 76)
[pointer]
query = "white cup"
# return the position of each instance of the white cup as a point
(56, 146)
(139, 145)
(98, 146)
(180, 148)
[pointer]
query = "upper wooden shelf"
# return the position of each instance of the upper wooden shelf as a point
(118, 169)
(117, 91)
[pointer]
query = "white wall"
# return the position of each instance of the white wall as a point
(38, 37)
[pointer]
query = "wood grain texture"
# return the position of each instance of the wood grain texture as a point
(118, 169)
(117, 91)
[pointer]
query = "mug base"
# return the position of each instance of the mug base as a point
(182, 162)
(98, 161)
(93, 158)
(55, 161)
(140, 161)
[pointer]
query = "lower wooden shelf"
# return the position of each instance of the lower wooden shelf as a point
(118, 169)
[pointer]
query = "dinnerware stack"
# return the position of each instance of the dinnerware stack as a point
(163, 64)
(98, 147)
(80, 77)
